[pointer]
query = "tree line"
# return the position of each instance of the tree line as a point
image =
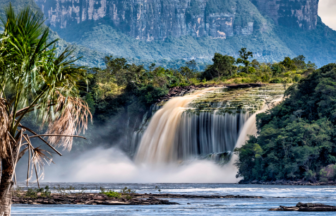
(296, 139)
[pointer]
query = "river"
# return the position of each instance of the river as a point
(273, 197)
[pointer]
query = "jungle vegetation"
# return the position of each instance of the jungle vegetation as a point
(296, 139)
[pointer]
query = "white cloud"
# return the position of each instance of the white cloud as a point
(327, 11)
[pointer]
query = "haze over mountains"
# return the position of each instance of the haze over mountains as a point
(170, 30)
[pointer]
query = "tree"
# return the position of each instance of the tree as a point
(33, 78)
(255, 64)
(222, 66)
(244, 56)
(300, 62)
(296, 137)
(113, 65)
(186, 72)
(289, 63)
(192, 65)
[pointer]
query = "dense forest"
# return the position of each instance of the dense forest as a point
(296, 138)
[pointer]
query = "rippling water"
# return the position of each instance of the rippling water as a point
(274, 196)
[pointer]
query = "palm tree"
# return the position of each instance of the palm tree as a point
(33, 80)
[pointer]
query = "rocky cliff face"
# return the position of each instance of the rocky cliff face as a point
(291, 13)
(168, 30)
(153, 19)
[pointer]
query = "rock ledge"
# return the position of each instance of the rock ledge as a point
(312, 207)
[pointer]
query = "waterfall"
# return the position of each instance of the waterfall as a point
(208, 133)
(157, 143)
(208, 123)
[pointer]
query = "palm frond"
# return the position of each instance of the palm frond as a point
(71, 117)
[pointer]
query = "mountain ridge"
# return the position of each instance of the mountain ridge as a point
(278, 30)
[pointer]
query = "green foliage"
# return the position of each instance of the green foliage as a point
(328, 173)
(222, 66)
(127, 190)
(275, 80)
(35, 192)
(296, 138)
(158, 188)
(111, 193)
(244, 56)
(129, 197)
(31, 193)
(310, 176)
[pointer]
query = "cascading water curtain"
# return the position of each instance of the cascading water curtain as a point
(207, 133)
(204, 133)
(206, 124)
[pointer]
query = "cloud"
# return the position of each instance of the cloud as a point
(327, 12)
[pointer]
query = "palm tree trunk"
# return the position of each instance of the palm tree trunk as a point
(5, 188)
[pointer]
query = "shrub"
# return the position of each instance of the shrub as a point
(111, 193)
(297, 78)
(328, 173)
(265, 78)
(287, 74)
(31, 192)
(126, 190)
(251, 70)
(128, 197)
(310, 176)
(276, 80)
(242, 74)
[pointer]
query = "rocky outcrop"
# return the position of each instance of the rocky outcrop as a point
(310, 207)
(180, 91)
(291, 13)
(101, 199)
(88, 199)
(154, 19)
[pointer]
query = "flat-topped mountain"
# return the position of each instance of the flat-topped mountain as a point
(158, 19)
(170, 30)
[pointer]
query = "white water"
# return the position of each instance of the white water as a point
(157, 144)
(177, 132)
(250, 128)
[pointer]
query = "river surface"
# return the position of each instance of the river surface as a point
(273, 197)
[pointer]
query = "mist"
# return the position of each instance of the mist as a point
(113, 166)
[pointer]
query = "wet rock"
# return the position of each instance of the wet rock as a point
(181, 91)
(88, 199)
(312, 207)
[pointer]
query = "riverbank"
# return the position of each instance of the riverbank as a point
(124, 199)
(89, 199)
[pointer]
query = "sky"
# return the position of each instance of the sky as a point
(327, 11)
